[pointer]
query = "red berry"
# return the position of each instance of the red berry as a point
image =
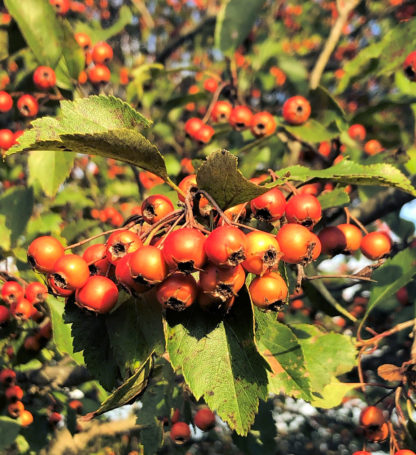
(121, 243)
(405, 452)
(262, 252)
(296, 110)
(204, 134)
(221, 111)
(373, 147)
(43, 253)
(210, 84)
(15, 409)
(124, 278)
(357, 132)
(6, 101)
(26, 418)
(362, 452)
(28, 105)
(147, 266)
(226, 246)
(4, 314)
(353, 236)
(204, 419)
(180, 433)
(268, 291)
(44, 77)
(36, 292)
(263, 124)
(99, 294)
(333, 240)
(7, 377)
(192, 125)
(102, 53)
(409, 66)
(303, 209)
(12, 292)
(222, 283)
(177, 292)
(187, 185)
(156, 207)
(54, 418)
(31, 343)
(76, 405)
(23, 310)
(61, 6)
(83, 40)
(98, 74)
(371, 416)
(14, 393)
(6, 139)
(298, 244)
(270, 206)
(184, 250)
(96, 258)
(375, 245)
(241, 117)
(71, 272)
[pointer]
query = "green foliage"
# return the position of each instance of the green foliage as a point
(9, 429)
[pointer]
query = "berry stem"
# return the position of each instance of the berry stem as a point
(174, 186)
(215, 205)
(214, 99)
(350, 277)
(356, 221)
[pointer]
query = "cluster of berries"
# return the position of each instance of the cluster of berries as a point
(180, 432)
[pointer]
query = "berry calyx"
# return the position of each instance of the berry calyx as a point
(262, 252)
(303, 209)
(225, 246)
(121, 243)
(156, 207)
(269, 291)
(298, 244)
(177, 292)
(180, 433)
(270, 206)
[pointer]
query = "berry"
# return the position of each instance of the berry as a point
(36, 292)
(98, 74)
(57, 288)
(15, 409)
(4, 314)
(83, 40)
(102, 53)
(156, 207)
(14, 393)
(147, 266)
(187, 185)
(76, 405)
(262, 252)
(270, 206)
(177, 292)
(362, 452)
(23, 310)
(61, 6)
(371, 416)
(221, 111)
(353, 236)
(377, 435)
(222, 283)
(268, 291)
(54, 418)
(409, 66)
(180, 433)
(357, 132)
(12, 292)
(184, 250)
(192, 125)
(96, 258)
(43, 253)
(303, 209)
(6, 101)
(213, 305)
(26, 418)
(405, 452)
(373, 147)
(6, 139)
(375, 245)
(124, 278)
(296, 110)
(298, 244)
(210, 84)
(204, 134)
(71, 272)
(99, 294)
(7, 377)
(44, 77)
(121, 243)
(28, 105)
(204, 419)
(333, 240)
(241, 117)
(31, 343)
(263, 124)
(225, 246)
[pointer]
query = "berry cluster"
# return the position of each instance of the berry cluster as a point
(180, 433)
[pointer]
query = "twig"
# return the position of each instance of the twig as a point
(350, 277)
(215, 97)
(376, 339)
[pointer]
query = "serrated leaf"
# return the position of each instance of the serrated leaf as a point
(128, 391)
(280, 347)
(349, 172)
(234, 23)
(61, 332)
(220, 361)
(9, 429)
(220, 177)
(50, 169)
(16, 205)
(327, 355)
(337, 197)
(135, 330)
(390, 277)
(313, 131)
(333, 393)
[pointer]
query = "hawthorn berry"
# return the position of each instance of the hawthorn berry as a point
(23, 310)
(240, 118)
(303, 209)
(44, 77)
(192, 125)
(221, 111)
(268, 291)
(210, 84)
(57, 288)
(147, 265)
(262, 252)
(7, 377)
(183, 250)
(71, 272)
(353, 236)
(61, 6)
(187, 185)
(4, 314)
(6, 101)
(121, 243)
(6, 139)
(296, 110)
(102, 53)
(373, 147)
(83, 40)
(357, 132)
(14, 393)
(263, 124)
(99, 294)
(26, 418)
(375, 245)
(270, 206)
(409, 66)
(204, 134)
(222, 283)
(43, 253)
(333, 240)
(76, 405)
(362, 452)
(98, 74)
(36, 292)
(298, 244)
(96, 258)
(177, 292)
(204, 419)
(15, 409)
(156, 207)
(372, 416)
(377, 434)
(28, 105)
(226, 246)
(54, 418)
(124, 278)
(12, 292)
(405, 452)
(31, 343)
(180, 433)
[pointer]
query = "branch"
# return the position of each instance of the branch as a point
(171, 48)
(331, 42)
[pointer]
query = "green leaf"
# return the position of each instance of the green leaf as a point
(9, 429)
(337, 197)
(325, 108)
(16, 205)
(90, 336)
(61, 332)
(327, 355)
(220, 177)
(280, 347)
(76, 229)
(313, 131)
(234, 23)
(50, 169)
(40, 28)
(333, 393)
(349, 172)
(4, 44)
(219, 360)
(128, 391)
(391, 276)
(135, 330)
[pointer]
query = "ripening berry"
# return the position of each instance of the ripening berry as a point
(99, 294)
(28, 105)
(298, 244)
(102, 53)
(12, 292)
(353, 236)
(303, 209)
(225, 246)
(180, 433)
(373, 147)
(375, 245)
(263, 124)
(43, 253)
(71, 272)
(221, 111)
(121, 243)
(269, 291)
(270, 206)
(240, 118)
(204, 419)
(98, 74)
(177, 292)
(83, 40)
(6, 101)
(204, 134)
(44, 77)
(192, 125)
(409, 66)
(156, 207)
(372, 416)
(147, 265)
(357, 132)
(210, 84)
(262, 252)
(26, 418)
(6, 139)
(296, 110)
(222, 283)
